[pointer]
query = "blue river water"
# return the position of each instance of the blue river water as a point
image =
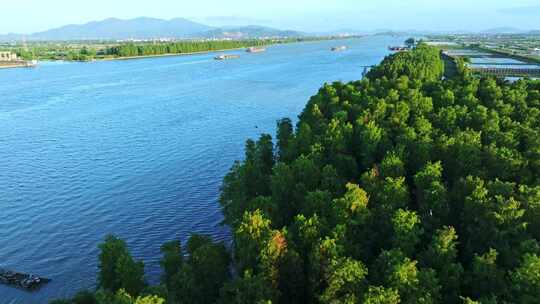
(139, 148)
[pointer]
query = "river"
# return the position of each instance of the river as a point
(139, 148)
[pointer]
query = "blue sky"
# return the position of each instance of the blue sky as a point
(25, 16)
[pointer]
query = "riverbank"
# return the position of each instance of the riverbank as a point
(206, 52)
(148, 56)
(151, 56)
(13, 65)
(184, 54)
(130, 51)
(166, 55)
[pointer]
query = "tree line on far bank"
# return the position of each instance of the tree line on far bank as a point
(149, 49)
(91, 51)
(132, 49)
(398, 188)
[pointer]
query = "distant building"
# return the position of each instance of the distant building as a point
(441, 43)
(8, 56)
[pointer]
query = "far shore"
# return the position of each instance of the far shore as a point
(181, 54)
(166, 55)
(195, 53)
(157, 55)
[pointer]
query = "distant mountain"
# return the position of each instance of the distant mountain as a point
(116, 29)
(395, 33)
(250, 31)
(503, 30)
(344, 32)
(149, 28)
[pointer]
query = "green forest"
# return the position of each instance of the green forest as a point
(87, 51)
(149, 49)
(402, 187)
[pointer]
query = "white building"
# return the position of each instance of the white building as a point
(8, 56)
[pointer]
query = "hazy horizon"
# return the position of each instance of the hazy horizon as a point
(302, 15)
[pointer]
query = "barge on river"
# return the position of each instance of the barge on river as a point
(255, 50)
(22, 280)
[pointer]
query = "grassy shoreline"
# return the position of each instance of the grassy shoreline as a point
(163, 55)
(113, 52)
(193, 53)
(212, 51)
(126, 58)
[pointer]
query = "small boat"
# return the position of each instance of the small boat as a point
(22, 280)
(339, 48)
(226, 57)
(255, 50)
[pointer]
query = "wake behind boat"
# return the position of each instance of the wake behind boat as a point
(226, 57)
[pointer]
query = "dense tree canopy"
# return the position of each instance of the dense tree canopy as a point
(92, 50)
(145, 49)
(424, 190)
(398, 188)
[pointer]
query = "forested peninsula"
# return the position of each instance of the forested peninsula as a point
(402, 187)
